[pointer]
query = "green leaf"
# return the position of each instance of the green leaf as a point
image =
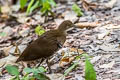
(3, 34)
(41, 76)
(26, 77)
(90, 73)
(29, 6)
(28, 70)
(45, 6)
(39, 30)
(12, 70)
(22, 3)
(70, 68)
(15, 78)
(35, 71)
(41, 69)
(77, 10)
(36, 5)
(52, 2)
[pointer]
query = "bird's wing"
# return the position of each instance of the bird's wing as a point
(42, 47)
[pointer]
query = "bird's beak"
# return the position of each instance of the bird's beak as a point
(72, 27)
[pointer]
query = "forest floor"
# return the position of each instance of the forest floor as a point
(101, 42)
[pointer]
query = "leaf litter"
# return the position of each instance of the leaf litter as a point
(97, 42)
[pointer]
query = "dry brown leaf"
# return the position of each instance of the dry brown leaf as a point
(73, 49)
(69, 56)
(6, 50)
(76, 50)
(4, 16)
(88, 6)
(79, 51)
(66, 61)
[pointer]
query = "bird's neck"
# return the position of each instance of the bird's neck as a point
(62, 32)
(62, 27)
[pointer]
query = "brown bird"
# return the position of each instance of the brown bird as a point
(47, 44)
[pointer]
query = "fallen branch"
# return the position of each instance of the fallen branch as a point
(87, 25)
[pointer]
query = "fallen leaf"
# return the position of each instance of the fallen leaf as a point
(56, 76)
(110, 4)
(88, 6)
(114, 71)
(79, 51)
(109, 47)
(111, 26)
(22, 18)
(24, 32)
(5, 9)
(7, 60)
(78, 77)
(109, 65)
(58, 21)
(70, 15)
(103, 34)
(66, 61)
(107, 56)
(6, 50)
(95, 59)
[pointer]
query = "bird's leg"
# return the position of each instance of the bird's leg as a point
(25, 64)
(40, 62)
(59, 44)
(48, 64)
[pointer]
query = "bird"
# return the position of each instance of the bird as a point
(47, 44)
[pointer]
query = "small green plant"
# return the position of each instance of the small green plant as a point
(39, 30)
(77, 10)
(22, 3)
(44, 5)
(37, 73)
(13, 71)
(90, 73)
(70, 68)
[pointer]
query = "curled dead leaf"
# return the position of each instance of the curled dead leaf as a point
(66, 61)
(88, 6)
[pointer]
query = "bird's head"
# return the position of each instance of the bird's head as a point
(66, 26)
